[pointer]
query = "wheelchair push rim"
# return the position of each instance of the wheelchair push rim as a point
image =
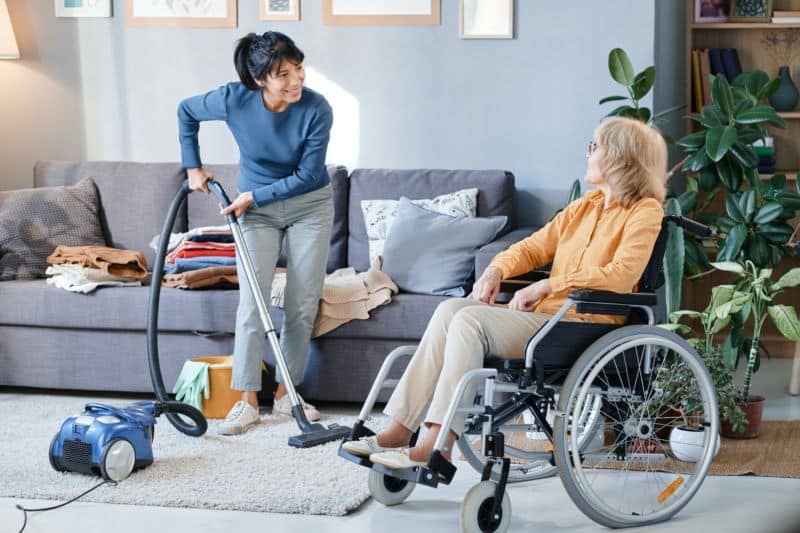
(635, 479)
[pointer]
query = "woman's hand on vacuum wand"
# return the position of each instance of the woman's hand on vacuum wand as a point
(238, 206)
(198, 178)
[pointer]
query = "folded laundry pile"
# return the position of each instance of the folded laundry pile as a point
(201, 258)
(346, 295)
(84, 268)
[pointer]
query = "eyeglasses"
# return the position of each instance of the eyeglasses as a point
(592, 148)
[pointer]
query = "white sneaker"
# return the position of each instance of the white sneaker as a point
(395, 459)
(241, 417)
(284, 407)
(365, 446)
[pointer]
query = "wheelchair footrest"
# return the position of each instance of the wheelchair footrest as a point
(353, 458)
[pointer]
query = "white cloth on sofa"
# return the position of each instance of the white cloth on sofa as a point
(76, 278)
(346, 295)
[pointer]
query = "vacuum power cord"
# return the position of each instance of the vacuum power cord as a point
(25, 510)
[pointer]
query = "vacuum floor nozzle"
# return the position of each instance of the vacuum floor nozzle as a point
(317, 434)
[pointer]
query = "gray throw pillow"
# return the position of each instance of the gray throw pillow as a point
(34, 221)
(432, 253)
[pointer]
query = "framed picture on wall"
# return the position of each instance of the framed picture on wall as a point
(486, 19)
(181, 13)
(279, 9)
(708, 11)
(371, 12)
(83, 8)
(751, 11)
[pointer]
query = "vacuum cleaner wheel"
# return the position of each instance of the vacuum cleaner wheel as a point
(118, 460)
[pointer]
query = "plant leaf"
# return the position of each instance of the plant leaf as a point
(612, 99)
(734, 210)
(693, 140)
(767, 90)
(757, 115)
(747, 203)
(710, 117)
(785, 319)
(619, 65)
(745, 155)
(733, 243)
(643, 82)
(768, 212)
(667, 111)
(674, 258)
(719, 140)
(721, 95)
(790, 279)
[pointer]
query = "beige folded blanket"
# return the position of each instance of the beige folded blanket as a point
(346, 295)
(126, 264)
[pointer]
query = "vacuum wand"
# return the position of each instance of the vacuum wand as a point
(312, 434)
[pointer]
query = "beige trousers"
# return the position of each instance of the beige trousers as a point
(461, 332)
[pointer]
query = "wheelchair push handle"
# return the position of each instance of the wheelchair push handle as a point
(692, 226)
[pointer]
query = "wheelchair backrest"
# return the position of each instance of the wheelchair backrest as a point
(649, 279)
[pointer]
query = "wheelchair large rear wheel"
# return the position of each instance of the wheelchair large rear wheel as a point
(527, 446)
(650, 381)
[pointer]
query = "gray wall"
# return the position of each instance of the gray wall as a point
(404, 96)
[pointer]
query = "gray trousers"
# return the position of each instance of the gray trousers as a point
(306, 221)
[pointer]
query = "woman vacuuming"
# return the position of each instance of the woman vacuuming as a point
(282, 130)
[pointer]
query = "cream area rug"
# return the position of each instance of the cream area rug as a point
(257, 471)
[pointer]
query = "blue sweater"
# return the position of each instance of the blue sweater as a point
(281, 154)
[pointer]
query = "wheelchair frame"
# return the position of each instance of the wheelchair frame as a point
(529, 388)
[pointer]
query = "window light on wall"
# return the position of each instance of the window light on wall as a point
(8, 43)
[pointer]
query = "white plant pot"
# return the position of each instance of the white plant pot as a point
(687, 444)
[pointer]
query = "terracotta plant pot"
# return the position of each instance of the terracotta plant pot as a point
(753, 411)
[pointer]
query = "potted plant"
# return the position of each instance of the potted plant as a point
(760, 290)
(673, 380)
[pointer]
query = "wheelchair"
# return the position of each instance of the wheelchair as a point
(594, 403)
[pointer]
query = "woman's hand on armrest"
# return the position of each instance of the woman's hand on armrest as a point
(487, 286)
(527, 298)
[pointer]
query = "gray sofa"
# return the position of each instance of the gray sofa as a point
(51, 338)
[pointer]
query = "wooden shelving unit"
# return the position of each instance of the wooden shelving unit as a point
(746, 38)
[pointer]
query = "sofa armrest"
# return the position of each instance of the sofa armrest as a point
(485, 254)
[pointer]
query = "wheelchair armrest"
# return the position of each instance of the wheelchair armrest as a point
(608, 302)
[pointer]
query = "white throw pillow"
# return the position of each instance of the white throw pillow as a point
(379, 215)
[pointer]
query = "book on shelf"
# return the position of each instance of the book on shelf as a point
(730, 63)
(715, 59)
(778, 13)
(705, 72)
(766, 141)
(786, 20)
(697, 86)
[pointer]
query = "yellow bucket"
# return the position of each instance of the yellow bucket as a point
(221, 396)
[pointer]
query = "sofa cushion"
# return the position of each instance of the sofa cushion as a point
(431, 253)
(33, 222)
(204, 212)
(379, 215)
(496, 197)
(34, 303)
(134, 197)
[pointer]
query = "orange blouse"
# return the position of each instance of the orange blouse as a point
(589, 247)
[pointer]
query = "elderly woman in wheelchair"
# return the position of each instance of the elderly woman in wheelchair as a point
(555, 381)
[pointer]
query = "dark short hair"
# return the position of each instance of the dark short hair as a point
(256, 56)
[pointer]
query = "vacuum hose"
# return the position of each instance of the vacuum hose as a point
(173, 410)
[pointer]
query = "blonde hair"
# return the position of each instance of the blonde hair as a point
(633, 158)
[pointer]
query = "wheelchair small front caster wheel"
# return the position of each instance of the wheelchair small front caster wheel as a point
(118, 460)
(477, 513)
(387, 489)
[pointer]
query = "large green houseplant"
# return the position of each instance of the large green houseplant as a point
(757, 291)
